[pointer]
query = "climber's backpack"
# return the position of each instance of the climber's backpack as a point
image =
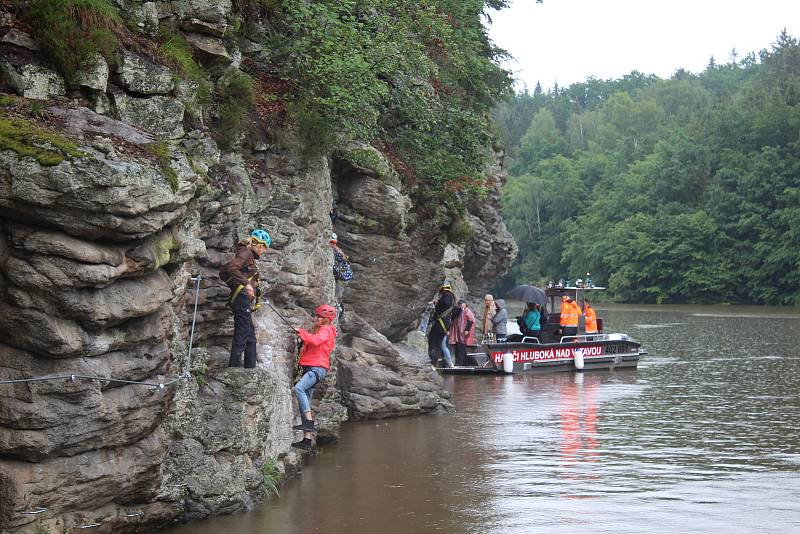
(341, 267)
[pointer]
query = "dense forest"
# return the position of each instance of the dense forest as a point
(677, 190)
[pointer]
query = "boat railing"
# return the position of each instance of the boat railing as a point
(592, 337)
(530, 339)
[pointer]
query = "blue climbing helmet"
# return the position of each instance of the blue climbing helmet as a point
(261, 236)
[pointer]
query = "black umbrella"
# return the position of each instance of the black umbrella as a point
(528, 293)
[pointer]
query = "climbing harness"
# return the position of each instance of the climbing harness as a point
(253, 280)
(439, 318)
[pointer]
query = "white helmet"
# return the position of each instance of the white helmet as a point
(333, 238)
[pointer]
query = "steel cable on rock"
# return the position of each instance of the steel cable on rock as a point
(72, 377)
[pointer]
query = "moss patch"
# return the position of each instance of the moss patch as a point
(161, 151)
(7, 100)
(27, 139)
(177, 54)
(366, 159)
(459, 231)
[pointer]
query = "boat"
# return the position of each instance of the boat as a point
(553, 353)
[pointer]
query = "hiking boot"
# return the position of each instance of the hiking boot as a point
(302, 423)
(306, 426)
(304, 445)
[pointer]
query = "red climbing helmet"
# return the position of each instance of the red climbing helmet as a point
(326, 312)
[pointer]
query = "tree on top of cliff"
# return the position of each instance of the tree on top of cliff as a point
(418, 76)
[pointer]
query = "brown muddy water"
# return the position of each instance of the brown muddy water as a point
(703, 437)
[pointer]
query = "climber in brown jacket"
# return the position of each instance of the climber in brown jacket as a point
(241, 276)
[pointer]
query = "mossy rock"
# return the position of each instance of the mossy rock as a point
(162, 152)
(27, 139)
(459, 231)
(366, 157)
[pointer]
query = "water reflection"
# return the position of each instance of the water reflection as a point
(579, 428)
(704, 437)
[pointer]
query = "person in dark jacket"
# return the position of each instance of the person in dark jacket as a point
(241, 276)
(441, 319)
(499, 320)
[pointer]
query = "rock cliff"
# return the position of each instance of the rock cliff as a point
(114, 194)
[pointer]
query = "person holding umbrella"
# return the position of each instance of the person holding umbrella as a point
(531, 321)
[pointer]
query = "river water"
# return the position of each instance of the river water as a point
(703, 437)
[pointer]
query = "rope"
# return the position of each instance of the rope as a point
(285, 320)
(156, 385)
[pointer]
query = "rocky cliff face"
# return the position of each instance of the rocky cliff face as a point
(112, 197)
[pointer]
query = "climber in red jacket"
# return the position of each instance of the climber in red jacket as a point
(315, 359)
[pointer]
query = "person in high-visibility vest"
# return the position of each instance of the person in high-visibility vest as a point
(570, 313)
(590, 318)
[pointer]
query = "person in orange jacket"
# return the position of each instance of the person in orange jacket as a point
(590, 318)
(315, 359)
(570, 313)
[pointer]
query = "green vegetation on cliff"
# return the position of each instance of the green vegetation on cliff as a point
(177, 54)
(234, 104)
(678, 190)
(415, 77)
(71, 32)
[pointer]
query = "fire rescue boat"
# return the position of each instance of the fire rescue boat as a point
(552, 352)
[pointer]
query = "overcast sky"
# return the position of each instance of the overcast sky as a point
(570, 40)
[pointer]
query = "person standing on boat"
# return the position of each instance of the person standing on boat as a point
(499, 320)
(570, 313)
(315, 359)
(241, 276)
(489, 310)
(590, 319)
(462, 332)
(437, 338)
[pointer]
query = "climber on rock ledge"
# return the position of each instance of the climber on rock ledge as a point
(241, 276)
